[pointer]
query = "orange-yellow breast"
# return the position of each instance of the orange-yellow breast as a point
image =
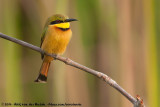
(56, 40)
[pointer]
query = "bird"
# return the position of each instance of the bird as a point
(55, 38)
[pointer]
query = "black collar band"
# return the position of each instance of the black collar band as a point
(64, 29)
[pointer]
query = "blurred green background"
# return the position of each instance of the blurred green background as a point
(119, 38)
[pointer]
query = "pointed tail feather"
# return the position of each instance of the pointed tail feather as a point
(42, 78)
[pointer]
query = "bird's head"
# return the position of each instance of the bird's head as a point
(60, 21)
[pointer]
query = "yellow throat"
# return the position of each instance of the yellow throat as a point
(63, 25)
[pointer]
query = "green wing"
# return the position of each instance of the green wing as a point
(42, 38)
(44, 34)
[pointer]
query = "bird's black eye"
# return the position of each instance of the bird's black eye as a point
(58, 21)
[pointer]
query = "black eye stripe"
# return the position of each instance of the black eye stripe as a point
(56, 22)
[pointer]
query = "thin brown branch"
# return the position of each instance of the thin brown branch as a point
(136, 102)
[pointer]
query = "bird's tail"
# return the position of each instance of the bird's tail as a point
(42, 78)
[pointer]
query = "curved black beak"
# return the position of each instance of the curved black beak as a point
(70, 20)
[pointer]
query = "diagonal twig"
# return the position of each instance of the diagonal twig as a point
(136, 102)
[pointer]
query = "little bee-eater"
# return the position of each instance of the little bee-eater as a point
(55, 38)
